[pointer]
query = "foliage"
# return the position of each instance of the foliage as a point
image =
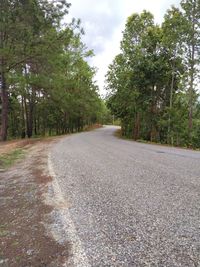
(6, 160)
(152, 83)
(46, 83)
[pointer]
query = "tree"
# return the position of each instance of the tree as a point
(149, 82)
(24, 27)
(145, 66)
(172, 41)
(47, 83)
(191, 13)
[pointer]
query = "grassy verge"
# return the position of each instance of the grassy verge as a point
(8, 159)
(118, 134)
(14, 150)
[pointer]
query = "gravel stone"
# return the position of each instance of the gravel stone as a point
(131, 204)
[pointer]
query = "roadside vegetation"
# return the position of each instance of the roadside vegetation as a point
(8, 159)
(153, 84)
(47, 85)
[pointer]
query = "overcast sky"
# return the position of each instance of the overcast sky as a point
(104, 21)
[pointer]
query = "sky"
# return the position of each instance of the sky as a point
(103, 22)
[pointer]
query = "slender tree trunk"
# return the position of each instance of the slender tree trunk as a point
(170, 138)
(191, 93)
(153, 132)
(23, 126)
(29, 116)
(4, 111)
(29, 108)
(192, 72)
(26, 114)
(30, 119)
(35, 124)
(136, 127)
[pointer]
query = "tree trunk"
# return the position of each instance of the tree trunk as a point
(4, 112)
(35, 124)
(191, 94)
(23, 127)
(136, 127)
(153, 111)
(170, 106)
(30, 119)
(192, 72)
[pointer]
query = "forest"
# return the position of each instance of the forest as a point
(46, 83)
(153, 84)
(47, 86)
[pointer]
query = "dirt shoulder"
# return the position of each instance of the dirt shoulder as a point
(24, 214)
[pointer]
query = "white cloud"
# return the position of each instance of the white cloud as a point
(104, 21)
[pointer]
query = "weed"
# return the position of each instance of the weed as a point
(4, 233)
(8, 159)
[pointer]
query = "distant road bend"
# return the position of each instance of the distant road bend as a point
(130, 204)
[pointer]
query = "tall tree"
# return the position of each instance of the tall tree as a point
(173, 29)
(191, 13)
(147, 82)
(24, 26)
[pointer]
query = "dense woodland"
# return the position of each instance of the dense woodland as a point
(153, 84)
(47, 86)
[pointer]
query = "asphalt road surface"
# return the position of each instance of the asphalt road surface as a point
(130, 204)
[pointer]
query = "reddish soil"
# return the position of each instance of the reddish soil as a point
(6, 147)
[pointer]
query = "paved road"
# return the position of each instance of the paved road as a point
(131, 204)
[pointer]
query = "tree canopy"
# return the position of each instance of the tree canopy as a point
(47, 86)
(153, 83)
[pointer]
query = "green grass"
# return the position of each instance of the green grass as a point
(8, 159)
(4, 233)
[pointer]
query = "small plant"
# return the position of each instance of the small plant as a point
(7, 160)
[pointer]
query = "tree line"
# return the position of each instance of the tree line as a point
(46, 84)
(153, 84)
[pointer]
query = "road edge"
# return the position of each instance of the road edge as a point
(63, 228)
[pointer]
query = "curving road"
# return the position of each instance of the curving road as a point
(131, 204)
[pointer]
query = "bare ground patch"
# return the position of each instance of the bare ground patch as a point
(24, 239)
